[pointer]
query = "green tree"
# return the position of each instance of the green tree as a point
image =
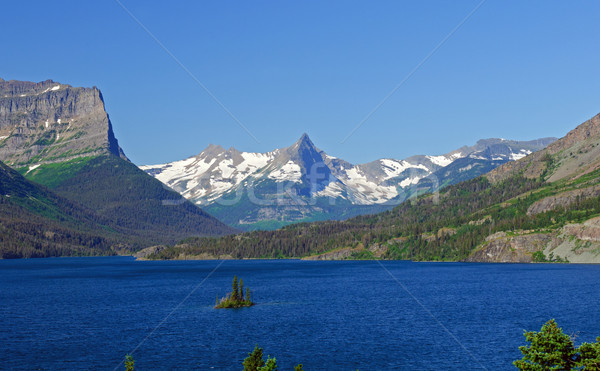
(271, 365)
(590, 355)
(241, 290)
(248, 295)
(234, 287)
(255, 360)
(129, 363)
(299, 367)
(550, 349)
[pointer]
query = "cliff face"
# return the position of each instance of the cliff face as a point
(49, 122)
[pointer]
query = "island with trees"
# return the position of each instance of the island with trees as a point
(236, 298)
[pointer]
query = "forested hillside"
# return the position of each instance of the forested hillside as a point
(35, 222)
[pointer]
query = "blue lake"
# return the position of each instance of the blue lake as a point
(87, 313)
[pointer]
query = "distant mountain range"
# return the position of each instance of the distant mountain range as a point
(303, 183)
(544, 207)
(80, 185)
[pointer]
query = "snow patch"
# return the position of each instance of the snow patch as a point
(393, 168)
(517, 156)
(333, 189)
(290, 172)
(442, 161)
(226, 168)
(466, 168)
(33, 167)
(477, 157)
(408, 181)
(55, 88)
(365, 192)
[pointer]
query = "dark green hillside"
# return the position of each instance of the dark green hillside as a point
(34, 222)
(129, 199)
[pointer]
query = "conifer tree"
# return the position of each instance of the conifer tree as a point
(241, 288)
(129, 363)
(234, 293)
(254, 360)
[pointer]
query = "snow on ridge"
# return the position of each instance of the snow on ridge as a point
(171, 172)
(442, 160)
(393, 168)
(55, 88)
(254, 161)
(522, 153)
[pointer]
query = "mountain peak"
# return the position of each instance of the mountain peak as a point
(212, 150)
(304, 139)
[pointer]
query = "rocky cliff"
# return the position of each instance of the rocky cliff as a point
(48, 122)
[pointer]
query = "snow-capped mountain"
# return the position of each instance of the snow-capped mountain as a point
(301, 182)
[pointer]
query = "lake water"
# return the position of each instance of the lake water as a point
(87, 313)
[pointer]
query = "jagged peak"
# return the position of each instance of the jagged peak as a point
(304, 139)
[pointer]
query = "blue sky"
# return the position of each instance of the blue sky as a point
(518, 70)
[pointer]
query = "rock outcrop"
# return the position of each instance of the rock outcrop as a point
(49, 122)
(563, 199)
(503, 248)
(578, 243)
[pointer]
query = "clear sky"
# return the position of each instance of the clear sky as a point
(514, 69)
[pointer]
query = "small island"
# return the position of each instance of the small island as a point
(235, 299)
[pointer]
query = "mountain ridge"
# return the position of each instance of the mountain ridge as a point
(302, 182)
